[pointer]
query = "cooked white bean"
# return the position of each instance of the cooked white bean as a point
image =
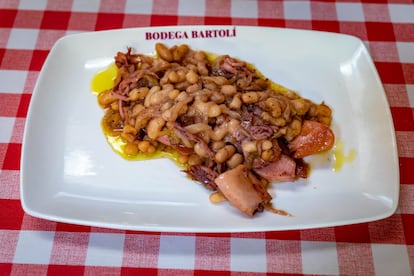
(236, 102)
(235, 160)
(151, 92)
(213, 110)
(154, 127)
(200, 150)
(191, 77)
(228, 90)
(249, 146)
(267, 144)
(250, 97)
(225, 153)
(163, 52)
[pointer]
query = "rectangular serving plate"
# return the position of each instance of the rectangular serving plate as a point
(70, 174)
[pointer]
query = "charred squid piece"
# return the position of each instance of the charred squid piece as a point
(302, 168)
(232, 65)
(314, 137)
(138, 78)
(196, 139)
(121, 59)
(228, 67)
(204, 175)
(126, 59)
(243, 190)
(165, 140)
(283, 169)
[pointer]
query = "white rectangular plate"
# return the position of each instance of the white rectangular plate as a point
(70, 173)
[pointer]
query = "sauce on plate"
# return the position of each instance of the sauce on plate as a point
(339, 156)
(104, 80)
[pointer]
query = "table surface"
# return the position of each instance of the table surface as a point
(28, 245)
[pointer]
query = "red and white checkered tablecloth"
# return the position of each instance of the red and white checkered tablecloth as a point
(32, 246)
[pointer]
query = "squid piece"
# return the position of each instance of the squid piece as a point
(243, 190)
(283, 169)
(314, 137)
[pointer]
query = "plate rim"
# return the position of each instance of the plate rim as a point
(35, 98)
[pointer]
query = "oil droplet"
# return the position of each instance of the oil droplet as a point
(104, 80)
(217, 197)
(118, 145)
(340, 158)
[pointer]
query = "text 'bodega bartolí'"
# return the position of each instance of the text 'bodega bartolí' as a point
(214, 33)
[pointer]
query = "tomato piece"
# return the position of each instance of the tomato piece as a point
(314, 137)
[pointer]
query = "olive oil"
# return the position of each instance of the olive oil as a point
(104, 80)
(339, 157)
(118, 144)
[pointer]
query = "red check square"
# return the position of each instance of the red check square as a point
(162, 20)
(8, 17)
(55, 20)
(106, 21)
(12, 157)
(38, 59)
(352, 233)
(380, 31)
(11, 214)
(408, 224)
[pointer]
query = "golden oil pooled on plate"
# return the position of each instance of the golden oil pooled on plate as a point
(334, 159)
(339, 156)
(118, 145)
(104, 80)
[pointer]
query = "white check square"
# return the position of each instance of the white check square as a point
(410, 91)
(105, 249)
(6, 129)
(34, 247)
(350, 12)
(86, 6)
(191, 8)
(246, 9)
(139, 7)
(32, 5)
(395, 254)
(297, 10)
(401, 13)
(12, 81)
(319, 258)
(22, 39)
(406, 51)
(177, 252)
(248, 255)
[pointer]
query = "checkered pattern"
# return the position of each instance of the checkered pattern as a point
(31, 246)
